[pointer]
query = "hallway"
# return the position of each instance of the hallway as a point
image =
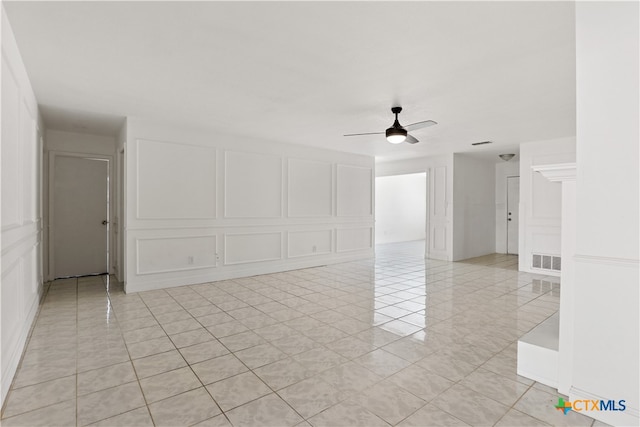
(398, 340)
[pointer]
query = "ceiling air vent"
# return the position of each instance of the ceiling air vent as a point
(482, 143)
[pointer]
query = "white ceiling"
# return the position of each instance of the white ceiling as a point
(308, 72)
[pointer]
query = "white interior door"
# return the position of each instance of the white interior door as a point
(513, 200)
(80, 216)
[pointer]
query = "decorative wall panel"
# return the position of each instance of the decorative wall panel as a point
(310, 186)
(355, 188)
(253, 185)
(175, 181)
(252, 247)
(305, 243)
(166, 254)
(354, 239)
(10, 149)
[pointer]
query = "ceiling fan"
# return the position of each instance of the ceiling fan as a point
(397, 133)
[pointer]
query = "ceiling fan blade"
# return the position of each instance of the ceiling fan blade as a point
(420, 125)
(411, 140)
(360, 134)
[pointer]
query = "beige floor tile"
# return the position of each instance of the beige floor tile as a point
(184, 409)
(350, 377)
(61, 414)
(275, 332)
(32, 397)
(260, 355)
(495, 386)
(137, 418)
(108, 403)
(345, 331)
(446, 366)
(137, 323)
(470, 406)
(382, 362)
(295, 344)
(173, 317)
(351, 347)
(204, 310)
(311, 396)
(217, 421)
(377, 336)
(219, 368)
(169, 384)
(191, 337)
(46, 371)
(150, 347)
(143, 334)
(319, 359)
(325, 334)
(268, 411)
(203, 351)
(347, 414)
(226, 329)
(515, 418)
(422, 383)
(282, 373)
(388, 401)
(158, 363)
(215, 319)
(242, 340)
(103, 378)
(429, 415)
(238, 390)
(101, 357)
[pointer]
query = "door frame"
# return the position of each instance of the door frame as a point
(53, 154)
(426, 172)
(507, 216)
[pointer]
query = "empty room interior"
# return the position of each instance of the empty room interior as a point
(320, 213)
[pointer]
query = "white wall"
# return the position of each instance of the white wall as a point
(540, 201)
(503, 171)
(439, 170)
(607, 259)
(21, 152)
(473, 207)
(203, 206)
(73, 143)
(401, 208)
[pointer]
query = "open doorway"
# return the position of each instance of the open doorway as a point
(79, 215)
(401, 208)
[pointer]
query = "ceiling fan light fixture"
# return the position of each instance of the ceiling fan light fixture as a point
(396, 135)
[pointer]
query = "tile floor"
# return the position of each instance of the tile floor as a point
(392, 341)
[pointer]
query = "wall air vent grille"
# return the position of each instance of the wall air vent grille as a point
(546, 262)
(537, 261)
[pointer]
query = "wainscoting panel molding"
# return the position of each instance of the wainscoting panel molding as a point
(310, 188)
(175, 181)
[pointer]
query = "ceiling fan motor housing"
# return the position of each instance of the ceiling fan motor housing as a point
(393, 131)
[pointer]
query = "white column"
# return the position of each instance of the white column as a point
(606, 335)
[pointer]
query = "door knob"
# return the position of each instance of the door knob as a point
(105, 222)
